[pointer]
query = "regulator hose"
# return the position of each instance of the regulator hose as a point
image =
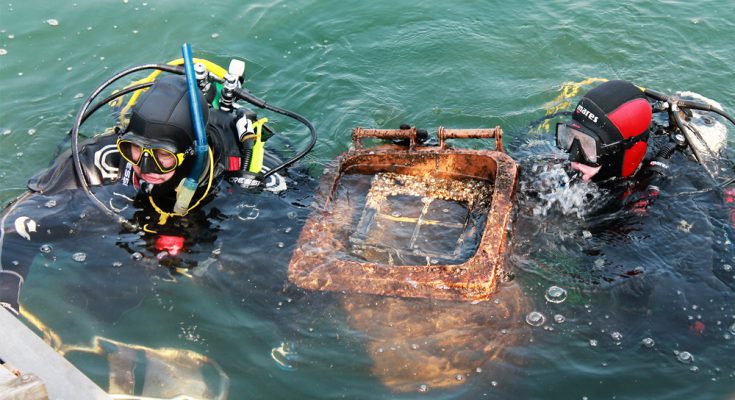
(250, 98)
(112, 97)
(667, 151)
(697, 105)
(83, 115)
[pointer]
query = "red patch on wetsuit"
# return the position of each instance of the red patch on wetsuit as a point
(233, 163)
(730, 196)
(172, 244)
(697, 328)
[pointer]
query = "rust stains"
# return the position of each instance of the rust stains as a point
(410, 220)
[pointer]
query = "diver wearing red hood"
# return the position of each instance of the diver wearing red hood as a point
(607, 136)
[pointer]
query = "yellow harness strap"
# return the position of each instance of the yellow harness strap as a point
(163, 215)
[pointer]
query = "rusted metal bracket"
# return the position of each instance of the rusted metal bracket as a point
(360, 133)
(494, 133)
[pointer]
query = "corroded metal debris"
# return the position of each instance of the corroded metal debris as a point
(410, 220)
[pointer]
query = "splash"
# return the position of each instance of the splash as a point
(556, 190)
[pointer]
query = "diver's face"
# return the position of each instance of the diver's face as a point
(155, 179)
(165, 159)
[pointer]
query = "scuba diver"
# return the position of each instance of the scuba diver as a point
(613, 140)
(608, 134)
(157, 150)
(627, 148)
(185, 137)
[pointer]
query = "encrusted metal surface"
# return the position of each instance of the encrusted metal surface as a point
(362, 192)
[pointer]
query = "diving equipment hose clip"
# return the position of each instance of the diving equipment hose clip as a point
(244, 127)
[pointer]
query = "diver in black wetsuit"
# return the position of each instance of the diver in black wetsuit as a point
(151, 157)
(611, 142)
(608, 138)
(156, 150)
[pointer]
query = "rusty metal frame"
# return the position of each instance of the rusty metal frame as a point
(314, 264)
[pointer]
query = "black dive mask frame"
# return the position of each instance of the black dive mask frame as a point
(576, 149)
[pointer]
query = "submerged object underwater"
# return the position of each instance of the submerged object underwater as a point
(413, 236)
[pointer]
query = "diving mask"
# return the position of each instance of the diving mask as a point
(158, 158)
(585, 146)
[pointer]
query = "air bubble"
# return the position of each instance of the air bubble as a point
(616, 336)
(593, 343)
(79, 257)
(52, 22)
(46, 248)
(117, 264)
(50, 204)
(423, 389)
(3, 52)
(685, 357)
(535, 318)
(555, 294)
(137, 256)
(559, 319)
(285, 356)
(732, 329)
(648, 342)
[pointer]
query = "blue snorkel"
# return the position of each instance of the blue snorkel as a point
(189, 185)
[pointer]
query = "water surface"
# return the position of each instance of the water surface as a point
(642, 290)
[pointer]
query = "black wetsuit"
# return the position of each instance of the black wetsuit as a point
(627, 223)
(26, 221)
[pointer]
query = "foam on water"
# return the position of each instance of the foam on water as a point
(556, 190)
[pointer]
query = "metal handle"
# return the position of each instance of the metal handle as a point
(359, 133)
(496, 133)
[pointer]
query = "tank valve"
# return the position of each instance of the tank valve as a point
(228, 93)
(205, 86)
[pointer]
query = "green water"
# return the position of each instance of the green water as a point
(377, 64)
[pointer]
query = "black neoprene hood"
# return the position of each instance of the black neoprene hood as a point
(615, 111)
(162, 115)
(593, 110)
